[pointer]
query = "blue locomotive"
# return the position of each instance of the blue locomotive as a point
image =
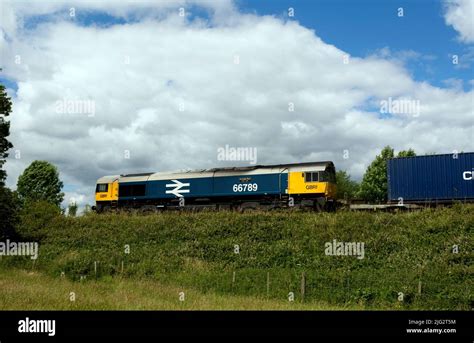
(301, 184)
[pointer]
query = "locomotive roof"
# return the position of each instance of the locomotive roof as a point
(304, 164)
(249, 170)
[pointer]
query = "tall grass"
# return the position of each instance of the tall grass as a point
(23, 290)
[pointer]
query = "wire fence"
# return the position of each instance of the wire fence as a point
(399, 289)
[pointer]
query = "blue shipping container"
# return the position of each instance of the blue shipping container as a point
(433, 178)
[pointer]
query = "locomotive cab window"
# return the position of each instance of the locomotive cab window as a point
(311, 177)
(102, 187)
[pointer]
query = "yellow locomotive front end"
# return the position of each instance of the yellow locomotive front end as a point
(106, 193)
(316, 183)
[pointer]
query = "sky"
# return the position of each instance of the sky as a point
(105, 87)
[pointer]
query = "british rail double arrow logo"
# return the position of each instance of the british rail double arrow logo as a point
(177, 190)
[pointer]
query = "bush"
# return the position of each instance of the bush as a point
(35, 219)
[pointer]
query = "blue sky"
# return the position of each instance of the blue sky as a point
(363, 27)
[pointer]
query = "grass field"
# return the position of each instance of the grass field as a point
(26, 290)
(228, 260)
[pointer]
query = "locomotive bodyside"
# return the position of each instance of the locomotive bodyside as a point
(310, 182)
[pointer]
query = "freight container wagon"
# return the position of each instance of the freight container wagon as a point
(431, 179)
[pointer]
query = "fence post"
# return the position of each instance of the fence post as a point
(233, 280)
(303, 286)
(95, 269)
(419, 287)
(268, 284)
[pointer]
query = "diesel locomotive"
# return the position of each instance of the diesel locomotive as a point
(309, 185)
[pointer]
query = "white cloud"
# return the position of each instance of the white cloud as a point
(460, 15)
(170, 92)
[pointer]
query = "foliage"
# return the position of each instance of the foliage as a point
(407, 153)
(9, 208)
(5, 145)
(8, 199)
(374, 183)
(72, 209)
(36, 218)
(374, 187)
(346, 188)
(40, 181)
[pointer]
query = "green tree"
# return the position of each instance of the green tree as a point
(346, 188)
(406, 153)
(5, 145)
(374, 184)
(72, 209)
(40, 181)
(9, 210)
(9, 205)
(373, 187)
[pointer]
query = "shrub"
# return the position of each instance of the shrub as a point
(35, 218)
